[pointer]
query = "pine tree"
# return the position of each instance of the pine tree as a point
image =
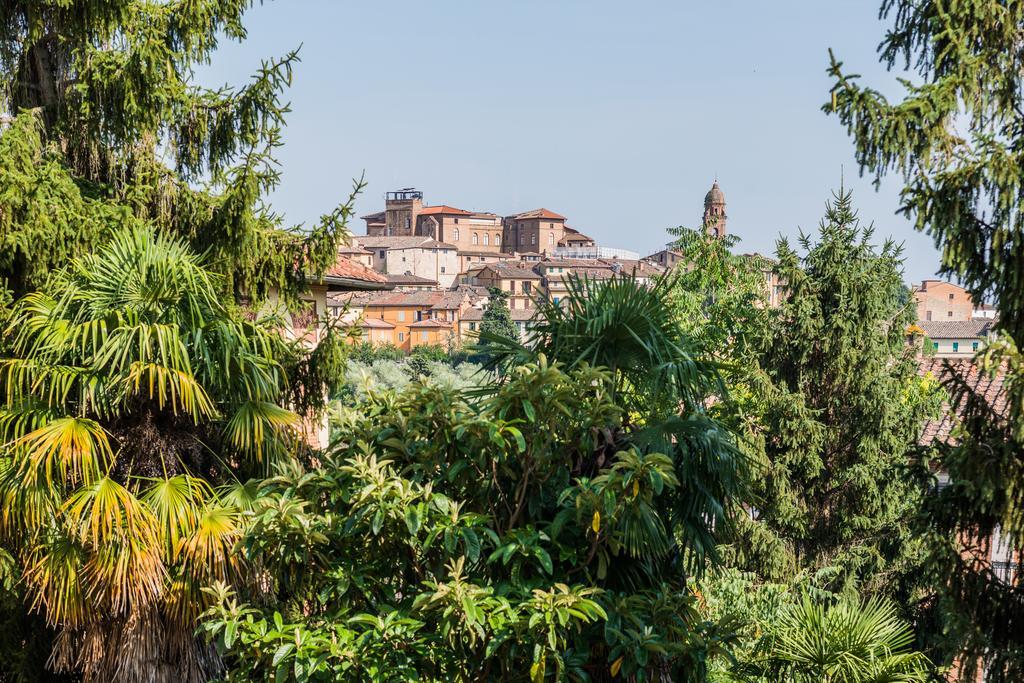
(955, 137)
(103, 124)
(497, 319)
(832, 405)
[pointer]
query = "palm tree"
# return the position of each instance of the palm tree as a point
(633, 329)
(843, 643)
(626, 326)
(130, 393)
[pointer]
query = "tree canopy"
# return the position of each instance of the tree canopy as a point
(955, 137)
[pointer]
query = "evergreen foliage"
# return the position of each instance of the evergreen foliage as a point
(104, 124)
(497, 319)
(956, 137)
(833, 409)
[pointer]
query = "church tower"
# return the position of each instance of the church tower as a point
(714, 211)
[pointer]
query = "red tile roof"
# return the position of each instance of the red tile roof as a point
(989, 387)
(375, 323)
(539, 213)
(443, 209)
(430, 322)
(353, 270)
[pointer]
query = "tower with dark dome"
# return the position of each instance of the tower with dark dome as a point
(714, 211)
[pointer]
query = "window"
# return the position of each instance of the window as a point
(974, 346)
(935, 346)
(382, 252)
(533, 238)
(556, 300)
(950, 297)
(442, 269)
(956, 346)
(408, 222)
(497, 240)
(476, 238)
(512, 286)
(401, 336)
(487, 239)
(401, 316)
(526, 287)
(455, 234)
(949, 314)
(456, 221)
(551, 238)
(472, 327)
(423, 335)
(928, 315)
(522, 238)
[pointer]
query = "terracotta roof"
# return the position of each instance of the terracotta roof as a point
(990, 387)
(430, 322)
(956, 329)
(375, 323)
(539, 213)
(348, 273)
(578, 237)
(443, 210)
(409, 279)
(514, 271)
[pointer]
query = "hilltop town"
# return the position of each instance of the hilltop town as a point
(420, 274)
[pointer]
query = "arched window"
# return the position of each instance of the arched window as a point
(497, 240)
(533, 238)
(551, 238)
(487, 239)
(455, 234)
(476, 238)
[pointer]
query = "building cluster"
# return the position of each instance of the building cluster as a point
(436, 265)
(948, 319)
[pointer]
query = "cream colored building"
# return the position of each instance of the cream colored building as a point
(421, 256)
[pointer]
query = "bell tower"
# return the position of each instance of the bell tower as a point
(714, 211)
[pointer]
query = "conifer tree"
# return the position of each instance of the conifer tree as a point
(833, 405)
(103, 123)
(497, 319)
(956, 137)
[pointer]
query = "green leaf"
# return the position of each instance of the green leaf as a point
(281, 653)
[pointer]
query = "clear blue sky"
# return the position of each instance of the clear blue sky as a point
(615, 114)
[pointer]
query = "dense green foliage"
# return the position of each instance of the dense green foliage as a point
(956, 138)
(131, 393)
(106, 126)
(540, 531)
(834, 410)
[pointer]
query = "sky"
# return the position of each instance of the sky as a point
(618, 115)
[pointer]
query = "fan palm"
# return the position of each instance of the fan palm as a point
(624, 325)
(843, 643)
(129, 393)
(633, 329)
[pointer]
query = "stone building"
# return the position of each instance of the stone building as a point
(421, 256)
(715, 217)
(938, 300)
